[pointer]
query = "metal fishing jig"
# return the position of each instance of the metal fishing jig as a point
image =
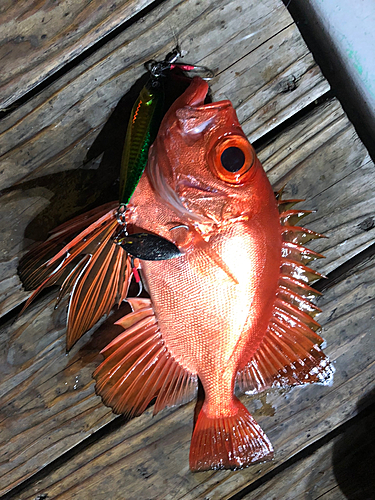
(147, 246)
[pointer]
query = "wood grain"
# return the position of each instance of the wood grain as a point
(38, 37)
(60, 152)
(147, 458)
(321, 159)
(52, 133)
(47, 398)
(340, 469)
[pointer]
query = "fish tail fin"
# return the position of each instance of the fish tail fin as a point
(228, 442)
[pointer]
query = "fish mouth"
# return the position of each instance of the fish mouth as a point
(201, 191)
(198, 96)
(225, 103)
(198, 185)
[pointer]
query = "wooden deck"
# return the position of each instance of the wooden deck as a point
(66, 67)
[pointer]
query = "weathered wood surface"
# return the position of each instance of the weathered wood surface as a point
(80, 102)
(343, 468)
(50, 147)
(38, 378)
(47, 404)
(321, 159)
(147, 458)
(38, 37)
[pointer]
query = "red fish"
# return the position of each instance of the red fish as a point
(233, 309)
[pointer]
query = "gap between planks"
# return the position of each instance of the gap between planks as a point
(36, 85)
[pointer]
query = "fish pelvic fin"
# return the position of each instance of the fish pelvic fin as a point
(138, 367)
(290, 353)
(228, 442)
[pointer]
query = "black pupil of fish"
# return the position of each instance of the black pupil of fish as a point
(232, 159)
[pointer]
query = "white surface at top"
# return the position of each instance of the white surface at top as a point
(350, 27)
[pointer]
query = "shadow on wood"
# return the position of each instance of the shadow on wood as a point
(95, 183)
(354, 456)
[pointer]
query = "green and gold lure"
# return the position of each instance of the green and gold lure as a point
(144, 122)
(141, 132)
(145, 119)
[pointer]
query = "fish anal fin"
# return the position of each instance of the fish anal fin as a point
(179, 387)
(290, 351)
(288, 356)
(138, 367)
(228, 442)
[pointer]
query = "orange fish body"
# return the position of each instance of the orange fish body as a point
(212, 320)
(233, 310)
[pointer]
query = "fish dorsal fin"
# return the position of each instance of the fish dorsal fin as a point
(290, 352)
(138, 367)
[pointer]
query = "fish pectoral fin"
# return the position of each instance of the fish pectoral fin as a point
(228, 442)
(138, 367)
(90, 269)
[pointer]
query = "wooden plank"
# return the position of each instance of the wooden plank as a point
(37, 138)
(148, 457)
(294, 82)
(47, 398)
(37, 38)
(342, 468)
(321, 159)
(46, 143)
(32, 384)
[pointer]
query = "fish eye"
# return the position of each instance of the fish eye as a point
(231, 159)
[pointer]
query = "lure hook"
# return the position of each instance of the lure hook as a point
(158, 68)
(202, 71)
